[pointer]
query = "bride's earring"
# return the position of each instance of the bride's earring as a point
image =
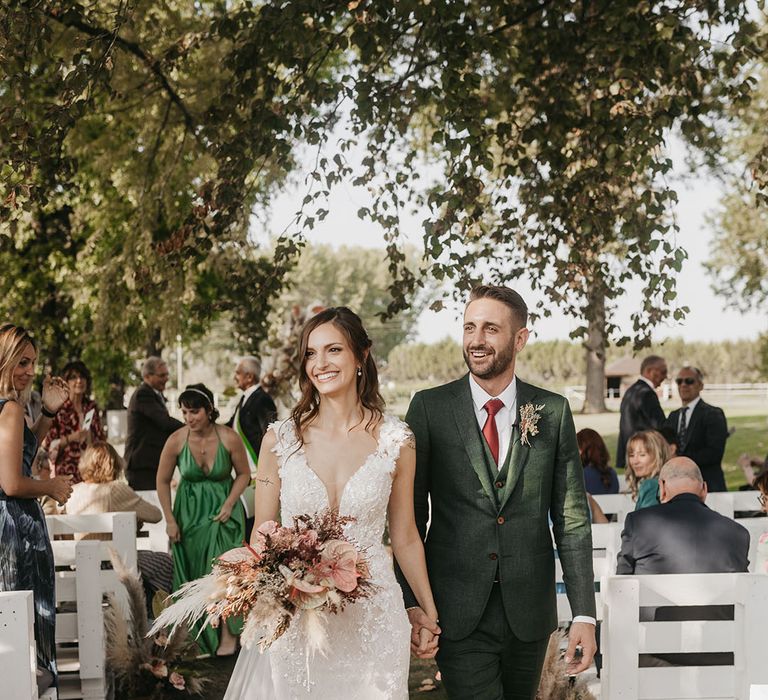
(359, 371)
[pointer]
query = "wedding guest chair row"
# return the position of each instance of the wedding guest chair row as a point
(641, 637)
(732, 504)
(81, 582)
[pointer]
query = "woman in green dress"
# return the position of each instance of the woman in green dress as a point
(207, 518)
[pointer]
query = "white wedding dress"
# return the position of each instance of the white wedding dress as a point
(368, 652)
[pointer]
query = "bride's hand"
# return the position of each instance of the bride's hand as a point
(423, 647)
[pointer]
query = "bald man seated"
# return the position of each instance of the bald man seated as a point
(682, 535)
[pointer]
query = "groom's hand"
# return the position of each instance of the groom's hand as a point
(582, 635)
(423, 645)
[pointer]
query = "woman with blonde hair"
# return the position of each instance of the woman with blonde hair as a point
(647, 451)
(103, 491)
(26, 558)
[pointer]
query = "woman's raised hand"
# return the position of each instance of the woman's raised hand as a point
(55, 393)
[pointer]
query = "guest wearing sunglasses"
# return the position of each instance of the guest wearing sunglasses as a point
(701, 429)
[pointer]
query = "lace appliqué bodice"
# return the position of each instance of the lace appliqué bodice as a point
(368, 655)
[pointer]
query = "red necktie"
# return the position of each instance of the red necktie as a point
(490, 432)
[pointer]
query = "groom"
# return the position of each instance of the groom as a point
(497, 458)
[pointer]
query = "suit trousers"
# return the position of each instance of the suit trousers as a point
(491, 663)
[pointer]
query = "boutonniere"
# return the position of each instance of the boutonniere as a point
(529, 422)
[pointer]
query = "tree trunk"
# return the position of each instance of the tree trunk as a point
(594, 396)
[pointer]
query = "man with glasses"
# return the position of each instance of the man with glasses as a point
(701, 429)
(149, 426)
(640, 407)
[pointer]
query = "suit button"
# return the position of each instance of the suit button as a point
(500, 520)
(499, 484)
(493, 556)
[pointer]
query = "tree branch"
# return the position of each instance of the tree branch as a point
(133, 48)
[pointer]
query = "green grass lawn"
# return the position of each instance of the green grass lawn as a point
(750, 436)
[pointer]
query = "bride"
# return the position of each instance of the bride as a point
(339, 450)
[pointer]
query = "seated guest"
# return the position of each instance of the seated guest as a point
(761, 561)
(682, 535)
(102, 491)
(646, 453)
(599, 478)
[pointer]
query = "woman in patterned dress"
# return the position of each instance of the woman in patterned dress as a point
(26, 559)
(68, 437)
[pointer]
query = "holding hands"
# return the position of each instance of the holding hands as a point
(425, 634)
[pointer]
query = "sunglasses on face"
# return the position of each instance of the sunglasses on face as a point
(685, 380)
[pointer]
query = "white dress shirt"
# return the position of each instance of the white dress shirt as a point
(690, 406)
(505, 418)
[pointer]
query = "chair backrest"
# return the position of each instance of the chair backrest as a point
(733, 504)
(606, 538)
(625, 638)
(17, 645)
(618, 504)
(81, 583)
(152, 536)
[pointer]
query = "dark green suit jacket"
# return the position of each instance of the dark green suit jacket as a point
(482, 527)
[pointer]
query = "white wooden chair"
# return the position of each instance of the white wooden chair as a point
(606, 539)
(80, 586)
(729, 503)
(618, 504)
(18, 662)
(152, 536)
(624, 638)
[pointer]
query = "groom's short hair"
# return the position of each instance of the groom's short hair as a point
(506, 296)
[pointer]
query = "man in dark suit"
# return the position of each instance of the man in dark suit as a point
(683, 536)
(149, 426)
(640, 407)
(701, 429)
(255, 410)
(252, 416)
(496, 457)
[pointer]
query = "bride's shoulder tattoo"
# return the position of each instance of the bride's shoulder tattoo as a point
(410, 439)
(265, 481)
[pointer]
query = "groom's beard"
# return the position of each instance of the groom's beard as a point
(492, 365)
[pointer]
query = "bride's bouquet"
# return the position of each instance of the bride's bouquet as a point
(309, 567)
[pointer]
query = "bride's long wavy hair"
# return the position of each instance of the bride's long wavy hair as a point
(349, 323)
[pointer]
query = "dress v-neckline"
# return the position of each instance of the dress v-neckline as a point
(194, 459)
(302, 452)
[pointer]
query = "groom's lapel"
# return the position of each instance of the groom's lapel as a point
(466, 422)
(519, 456)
